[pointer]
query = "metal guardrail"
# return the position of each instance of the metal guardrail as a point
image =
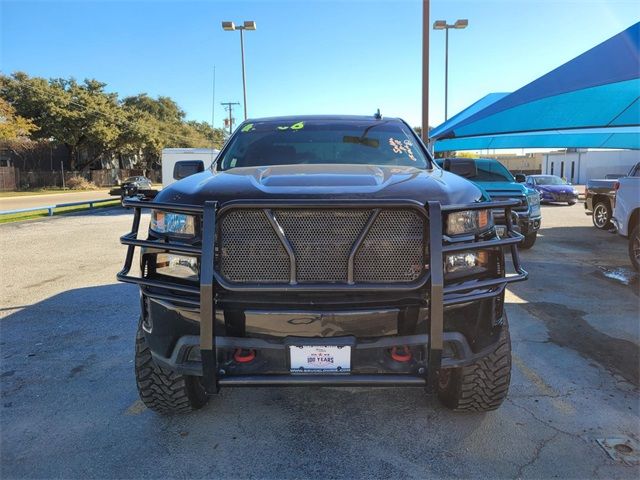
(51, 208)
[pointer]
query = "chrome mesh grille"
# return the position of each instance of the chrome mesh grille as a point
(391, 250)
(250, 250)
(322, 240)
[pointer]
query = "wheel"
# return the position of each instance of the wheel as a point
(634, 248)
(162, 390)
(122, 200)
(601, 216)
(571, 203)
(481, 386)
(529, 240)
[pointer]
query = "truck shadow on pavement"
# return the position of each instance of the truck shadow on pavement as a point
(70, 406)
(70, 409)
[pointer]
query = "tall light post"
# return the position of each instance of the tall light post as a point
(248, 25)
(425, 71)
(443, 25)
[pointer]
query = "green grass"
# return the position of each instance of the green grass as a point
(47, 191)
(18, 217)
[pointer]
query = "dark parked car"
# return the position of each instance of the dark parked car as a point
(134, 186)
(322, 250)
(600, 198)
(553, 189)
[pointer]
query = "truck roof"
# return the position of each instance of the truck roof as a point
(301, 118)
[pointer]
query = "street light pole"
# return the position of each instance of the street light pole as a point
(443, 25)
(446, 74)
(425, 71)
(244, 81)
(248, 25)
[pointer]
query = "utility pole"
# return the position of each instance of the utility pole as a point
(426, 26)
(62, 174)
(228, 106)
(213, 110)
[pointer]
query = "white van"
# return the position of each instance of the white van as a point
(178, 163)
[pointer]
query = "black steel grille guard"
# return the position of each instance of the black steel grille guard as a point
(432, 280)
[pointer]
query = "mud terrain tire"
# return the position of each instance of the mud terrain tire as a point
(483, 385)
(161, 389)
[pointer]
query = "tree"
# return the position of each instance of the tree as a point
(14, 132)
(93, 124)
(163, 108)
(206, 136)
(12, 126)
(75, 115)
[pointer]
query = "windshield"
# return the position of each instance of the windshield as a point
(487, 171)
(287, 142)
(492, 171)
(549, 180)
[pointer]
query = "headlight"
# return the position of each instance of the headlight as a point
(468, 221)
(179, 266)
(177, 223)
(470, 262)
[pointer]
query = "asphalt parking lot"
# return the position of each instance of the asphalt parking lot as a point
(70, 407)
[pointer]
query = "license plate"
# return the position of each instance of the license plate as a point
(320, 358)
(501, 230)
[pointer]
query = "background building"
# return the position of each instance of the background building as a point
(579, 166)
(529, 163)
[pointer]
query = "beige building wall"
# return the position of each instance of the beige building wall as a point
(529, 163)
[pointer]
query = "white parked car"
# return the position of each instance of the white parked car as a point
(626, 214)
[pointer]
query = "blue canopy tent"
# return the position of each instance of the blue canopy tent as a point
(592, 101)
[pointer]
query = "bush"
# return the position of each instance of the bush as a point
(80, 183)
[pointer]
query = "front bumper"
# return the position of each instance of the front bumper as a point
(558, 197)
(370, 331)
(524, 222)
(204, 349)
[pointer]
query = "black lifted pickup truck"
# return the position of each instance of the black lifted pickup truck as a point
(322, 250)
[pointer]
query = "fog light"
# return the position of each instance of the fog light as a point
(465, 261)
(180, 266)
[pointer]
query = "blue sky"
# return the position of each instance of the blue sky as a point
(306, 56)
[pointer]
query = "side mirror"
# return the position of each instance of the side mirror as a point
(185, 168)
(521, 178)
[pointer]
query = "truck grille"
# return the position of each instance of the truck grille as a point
(325, 246)
(522, 202)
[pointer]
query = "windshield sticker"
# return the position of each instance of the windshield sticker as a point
(400, 147)
(295, 126)
(247, 128)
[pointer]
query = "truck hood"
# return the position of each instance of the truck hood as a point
(503, 189)
(320, 182)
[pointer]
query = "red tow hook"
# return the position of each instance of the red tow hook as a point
(401, 354)
(244, 356)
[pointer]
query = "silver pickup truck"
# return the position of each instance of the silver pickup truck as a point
(626, 214)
